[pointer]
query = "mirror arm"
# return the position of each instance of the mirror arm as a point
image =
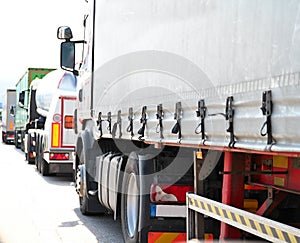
(79, 41)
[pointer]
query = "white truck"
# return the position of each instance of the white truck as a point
(189, 96)
(52, 134)
(8, 120)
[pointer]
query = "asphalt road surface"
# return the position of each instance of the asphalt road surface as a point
(34, 208)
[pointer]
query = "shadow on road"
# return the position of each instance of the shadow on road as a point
(102, 226)
(57, 179)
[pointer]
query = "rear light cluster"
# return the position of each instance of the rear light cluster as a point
(59, 156)
(55, 140)
(32, 139)
(169, 193)
(11, 125)
(69, 122)
(31, 155)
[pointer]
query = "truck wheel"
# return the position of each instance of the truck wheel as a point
(3, 137)
(37, 162)
(22, 146)
(81, 190)
(130, 200)
(89, 204)
(44, 166)
(16, 140)
(37, 155)
(17, 144)
(27, 155)
(84, 202)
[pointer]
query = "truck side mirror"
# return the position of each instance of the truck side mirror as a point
(67, 56)
(64, 33)
(67, 49)
(12, 111)
(21, 99)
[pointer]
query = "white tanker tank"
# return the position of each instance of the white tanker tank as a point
(54, 84)
(54, 133)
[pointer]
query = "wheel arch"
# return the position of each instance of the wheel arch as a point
(87, 148)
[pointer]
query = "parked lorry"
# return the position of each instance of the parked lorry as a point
(51, 136)
(8, 121)
(189, 96)
(33, 116)
(22, 101)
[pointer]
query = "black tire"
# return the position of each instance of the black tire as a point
(73, 175)
(29, 149)
(135, 199)
(39, 164)
(83, 199)
(27, 155)
(84, 202)
(36, 160)
(16, 139)
(89, 204)
(130, 200)
(17, 144)
(3, 137)
(22, 146)
(44, 166)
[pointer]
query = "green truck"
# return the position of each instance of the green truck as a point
(22, 101)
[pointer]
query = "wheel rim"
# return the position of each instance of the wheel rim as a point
(80, 185)
(132, 205)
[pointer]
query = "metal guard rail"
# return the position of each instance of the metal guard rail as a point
(252, 223)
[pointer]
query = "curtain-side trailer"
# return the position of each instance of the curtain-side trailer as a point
(189, 96)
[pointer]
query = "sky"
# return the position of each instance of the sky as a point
(28, 35)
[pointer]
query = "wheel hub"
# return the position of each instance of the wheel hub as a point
(79, 181)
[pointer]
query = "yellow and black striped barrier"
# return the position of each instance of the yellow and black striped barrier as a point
(254, 224)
